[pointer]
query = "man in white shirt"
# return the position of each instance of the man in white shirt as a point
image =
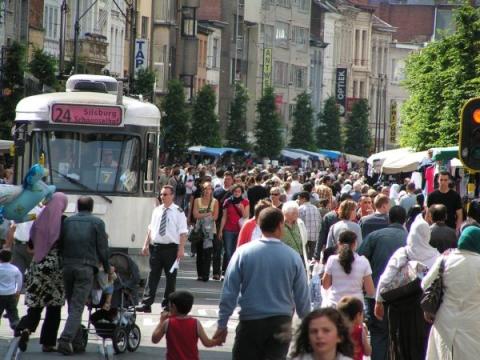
(165, 243)
(10, 286)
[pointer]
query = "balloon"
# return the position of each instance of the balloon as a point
(34, 190)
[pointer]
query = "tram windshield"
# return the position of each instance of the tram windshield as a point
(89, 162)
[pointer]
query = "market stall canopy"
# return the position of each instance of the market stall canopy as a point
(313, 155)
(331, 154)
(5, 145)
(293, 155)
(407, 163)
(354, 158)
(445, 153)
(388, 154)
(216, 152)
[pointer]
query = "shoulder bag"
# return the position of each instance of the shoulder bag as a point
(404, 284)
(196, 234)
(433, 295)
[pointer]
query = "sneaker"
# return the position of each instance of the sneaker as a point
(22, 343)
(144, 308)
(64, 347)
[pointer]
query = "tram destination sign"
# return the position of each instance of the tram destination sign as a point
(84, 114)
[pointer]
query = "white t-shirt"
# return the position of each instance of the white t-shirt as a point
(344, 284)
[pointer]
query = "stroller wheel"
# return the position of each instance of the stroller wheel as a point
(119, 340)
(134, 337)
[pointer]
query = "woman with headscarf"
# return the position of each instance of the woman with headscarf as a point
(408, 330)
(454, 333)
(44, 279)
(394, 193)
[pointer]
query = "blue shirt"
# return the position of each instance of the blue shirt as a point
(266, 278)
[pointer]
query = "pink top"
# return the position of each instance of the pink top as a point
(233, 215)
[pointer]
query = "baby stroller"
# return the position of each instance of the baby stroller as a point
(118, 323)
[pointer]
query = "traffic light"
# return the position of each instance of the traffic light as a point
(469, 147)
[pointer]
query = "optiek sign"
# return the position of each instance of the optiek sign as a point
(341, 90)
(141, 54)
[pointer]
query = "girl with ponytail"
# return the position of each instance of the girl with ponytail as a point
(347, 273)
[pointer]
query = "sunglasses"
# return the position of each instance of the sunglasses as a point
(275, 194)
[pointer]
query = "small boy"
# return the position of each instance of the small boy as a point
(182, 331)
(352, 309)
(10, 287)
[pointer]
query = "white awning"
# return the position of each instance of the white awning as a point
(407, 163)
(388, 154)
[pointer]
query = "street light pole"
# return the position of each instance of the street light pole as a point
(75, 38)
(133, 35)
(63, 12)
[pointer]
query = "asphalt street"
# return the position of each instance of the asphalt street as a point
(205, 308)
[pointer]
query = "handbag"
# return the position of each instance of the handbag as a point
(433, 295)
(405, 284)
(196, 234)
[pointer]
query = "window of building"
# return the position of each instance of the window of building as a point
(298, 76)
(215, 53)
(280, 76)
(166, 11)
(364, 48)
(355, 89)
(282, 31)
(303, 5)
(267, 33)
(357, 47)
(361, 90)
(284, 3)
(189, 22)
(300, 35)
(145, 27)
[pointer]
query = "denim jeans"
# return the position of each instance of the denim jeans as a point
(229, 245)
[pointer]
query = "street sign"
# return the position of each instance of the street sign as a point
(141, 54)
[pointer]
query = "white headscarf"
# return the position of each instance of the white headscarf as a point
(394, 191)
(418, 243)
(346, 189)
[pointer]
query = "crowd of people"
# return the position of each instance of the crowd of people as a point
(268, 234)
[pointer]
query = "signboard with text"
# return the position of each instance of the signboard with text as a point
(267, 68)
(75, 114)
(393, 122)
(341, 90)
(141, 54)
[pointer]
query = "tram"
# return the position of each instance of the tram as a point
(98, 143)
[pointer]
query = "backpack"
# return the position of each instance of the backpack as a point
(180, 188)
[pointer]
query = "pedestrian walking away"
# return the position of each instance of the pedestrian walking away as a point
(165, 244)
(84, 246)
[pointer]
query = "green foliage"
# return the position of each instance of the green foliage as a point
(144, 82)
(14, 68)
(357, 136)
(268, 128)
(42, 66)
(174, 125)
(302, 131)
(328, 131)
(237, 123)
(440, 79)
(205, 129)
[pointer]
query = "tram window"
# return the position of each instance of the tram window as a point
(149, 178)
(90, 162)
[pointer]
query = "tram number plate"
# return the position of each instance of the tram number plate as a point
(87, 114)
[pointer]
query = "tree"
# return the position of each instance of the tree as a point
(328, 131)
(268, 128)
(302, 131)
(42, 66)
(144, 82)
(237, 123)
(174, 128)
(205, 129)
(440, 79)
(357, 135)
(13, 69)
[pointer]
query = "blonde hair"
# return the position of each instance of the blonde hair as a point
(346, 208)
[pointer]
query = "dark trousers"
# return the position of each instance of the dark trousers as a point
(217, 257)
(378, 332)
(263, 339)
(48, 335)
(162, 257)
(8, 303)
(204, 261)
(310, 249)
